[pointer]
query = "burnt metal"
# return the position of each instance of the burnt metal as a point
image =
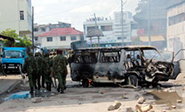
(118, 63)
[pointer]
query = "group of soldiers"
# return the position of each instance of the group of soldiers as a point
(45, 67)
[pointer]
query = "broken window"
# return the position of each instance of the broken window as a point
(110, 57)
(85, 58)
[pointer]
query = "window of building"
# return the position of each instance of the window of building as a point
(36, 38)
(49, 39)
(91, 27)
(106, 28)
(43, 29)
(63, 38)
(21, 15)
(35, 29)
(119, 38)
(176, 19)
(73, 38)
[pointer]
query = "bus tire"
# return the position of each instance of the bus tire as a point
(85, 83)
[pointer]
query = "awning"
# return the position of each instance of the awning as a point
(153, 38)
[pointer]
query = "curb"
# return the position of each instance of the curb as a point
(16, 84)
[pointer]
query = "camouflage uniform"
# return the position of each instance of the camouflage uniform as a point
(60, 70)
(47, 71)
(40, 62)
(30, 68)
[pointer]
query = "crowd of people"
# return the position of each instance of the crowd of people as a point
(41, 68)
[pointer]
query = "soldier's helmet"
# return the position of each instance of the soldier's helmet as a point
(37, 54)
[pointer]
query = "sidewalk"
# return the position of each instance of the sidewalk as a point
(9, 82)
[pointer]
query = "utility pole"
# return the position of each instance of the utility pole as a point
(96, 29)
(149, 24)
(122, 23)
(33, 30)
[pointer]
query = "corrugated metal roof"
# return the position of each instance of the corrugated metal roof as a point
(62, 32)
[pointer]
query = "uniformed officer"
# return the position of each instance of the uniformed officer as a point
(30, 68)
(60, 70)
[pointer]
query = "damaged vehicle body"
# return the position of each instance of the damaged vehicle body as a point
(131, 65)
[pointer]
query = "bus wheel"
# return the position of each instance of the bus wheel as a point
(85, 83)
(132, 80)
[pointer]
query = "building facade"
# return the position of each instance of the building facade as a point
(176, 27)
(103, 24)
(16, 15)
(60, 38)
(127, 20)
(43, 28)
(111, 29)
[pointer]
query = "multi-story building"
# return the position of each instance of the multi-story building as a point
(175, 27)
(16, 15)
(60, 38)
(111, 29)
(127, 20)
(43, 28)
(103, 24)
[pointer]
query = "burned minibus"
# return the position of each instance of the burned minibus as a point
(135, 65)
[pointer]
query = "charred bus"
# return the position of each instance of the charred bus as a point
(135, 65)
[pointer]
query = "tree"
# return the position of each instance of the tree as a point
(21, 41)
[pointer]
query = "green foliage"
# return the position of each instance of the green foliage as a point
(21, 41)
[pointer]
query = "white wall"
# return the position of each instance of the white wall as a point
(10, 16)
(176, 32)
(56, 43)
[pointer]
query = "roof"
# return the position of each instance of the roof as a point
(116, 47)
(62, 32)
(6, 37)
(175, 3)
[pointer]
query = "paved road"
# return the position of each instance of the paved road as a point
(7, 82)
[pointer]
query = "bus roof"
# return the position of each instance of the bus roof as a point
(115, 47)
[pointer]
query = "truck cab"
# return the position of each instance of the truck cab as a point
(13, 58)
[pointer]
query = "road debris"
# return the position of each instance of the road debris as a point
(36, 100)
(141, 100)
(115, 106)
(145, 108)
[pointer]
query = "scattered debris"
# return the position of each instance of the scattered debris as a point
(179, 101)
(18, 95)
(145, 108)
(101, 92)
(173, 107)
(117, 104)
(111, 108)
(36, 100)
(141, 100)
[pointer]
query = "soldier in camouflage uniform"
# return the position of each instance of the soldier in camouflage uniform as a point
(30, 68)
(46, 73)
(60, 70)
(40, 62)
